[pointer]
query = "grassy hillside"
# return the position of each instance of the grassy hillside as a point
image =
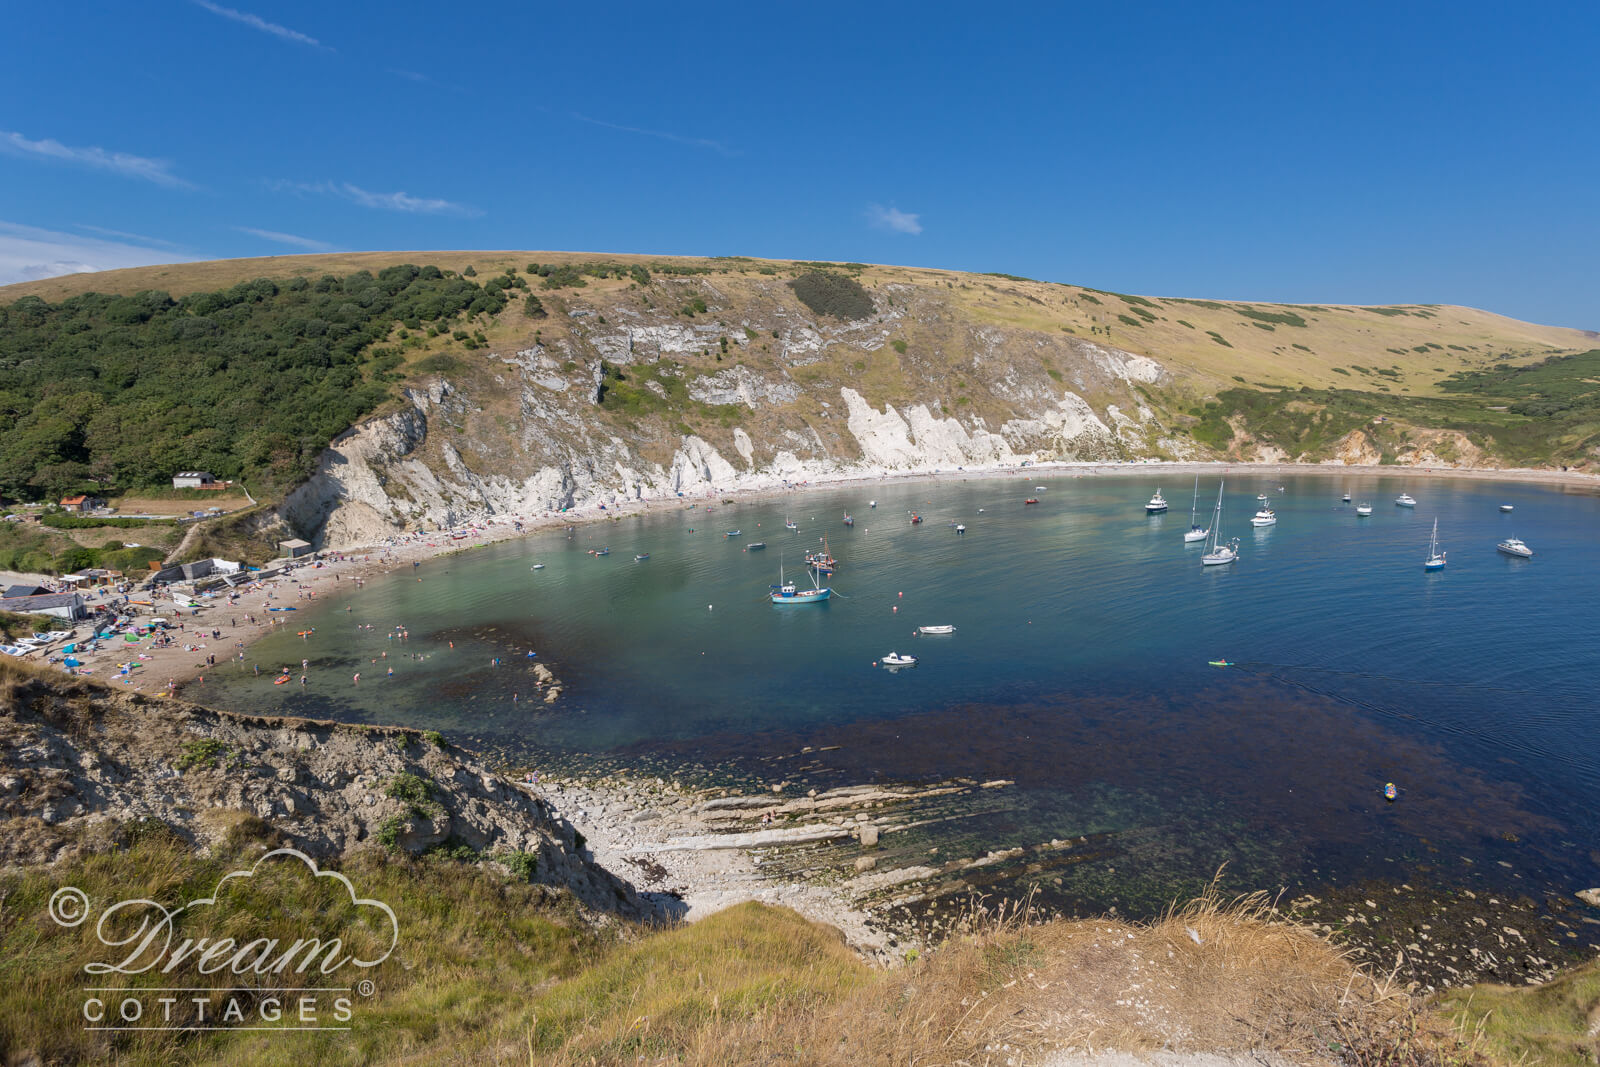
(1277, 343)
(249, 367)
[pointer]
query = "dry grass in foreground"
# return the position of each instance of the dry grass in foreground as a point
(491, 970)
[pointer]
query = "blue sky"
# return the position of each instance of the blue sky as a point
(1351, 152)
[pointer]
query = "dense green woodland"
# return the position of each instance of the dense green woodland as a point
(249, 383)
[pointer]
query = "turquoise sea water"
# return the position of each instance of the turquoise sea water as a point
(1078, 670)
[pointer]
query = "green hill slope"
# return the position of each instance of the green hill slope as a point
(502, 380)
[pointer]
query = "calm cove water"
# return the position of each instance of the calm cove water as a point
(1078, 669)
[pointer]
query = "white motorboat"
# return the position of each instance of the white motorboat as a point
(1265, 517)
(896, 659)
(961, 528)
(1158, 504)
(1405, 500)
(1219, 551)
(1364, 510)
(1505, 507)
(1262, 497)
(1435, 560)
(1195, 532)
(872, 503)
(1513, 546)
(940, 629)
(537, 567)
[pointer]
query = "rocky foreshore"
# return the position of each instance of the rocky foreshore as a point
(84, 769)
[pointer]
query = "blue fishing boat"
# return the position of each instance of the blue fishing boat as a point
(785, 592)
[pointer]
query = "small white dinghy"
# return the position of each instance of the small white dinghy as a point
(896, 660)
(941, 629)
(1506, 507)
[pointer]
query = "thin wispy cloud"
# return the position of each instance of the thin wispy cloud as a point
(28, 253)
(293, 240)
(418, 78)
(126, 236)
(256, 22)
(664, 135)
(893, 219)
(125, 164)
(402, 202)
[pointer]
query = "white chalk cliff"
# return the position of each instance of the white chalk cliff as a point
(526, 432)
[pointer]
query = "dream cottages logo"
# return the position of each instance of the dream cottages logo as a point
(270, 949)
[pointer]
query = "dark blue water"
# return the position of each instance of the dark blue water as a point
(1078, 670)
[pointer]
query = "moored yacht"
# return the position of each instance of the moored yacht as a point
(1220, 551)
(1513, 546)
(1158, 504)
(1405, 500)
(1195, 532)
(1435, 560)
(1265, 517)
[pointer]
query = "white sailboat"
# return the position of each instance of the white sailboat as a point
(1195, 531)
(1435, 560)
(1219, 551)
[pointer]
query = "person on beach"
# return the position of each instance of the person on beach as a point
(356, 679)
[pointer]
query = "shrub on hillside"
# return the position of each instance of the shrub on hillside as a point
(833, 294)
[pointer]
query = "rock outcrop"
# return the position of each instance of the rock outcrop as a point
(83, 768)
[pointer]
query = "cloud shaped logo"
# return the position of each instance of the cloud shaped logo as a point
(147, 933)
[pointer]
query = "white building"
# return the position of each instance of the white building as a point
(193, 480)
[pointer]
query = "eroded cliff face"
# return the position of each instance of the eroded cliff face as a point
(616, 402)
(82, 768)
